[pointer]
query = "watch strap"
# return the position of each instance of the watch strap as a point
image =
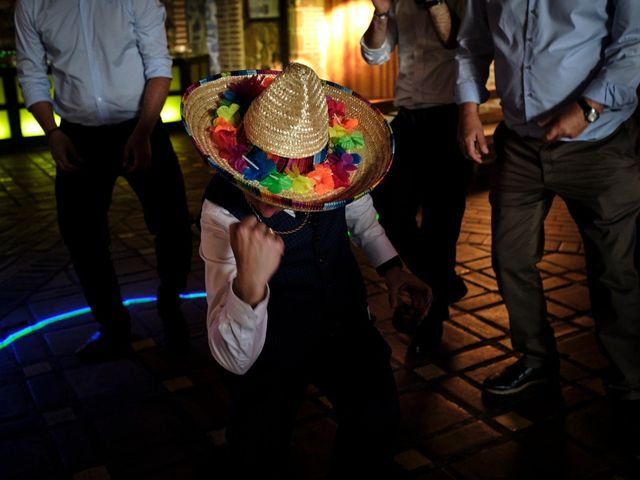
(590, 113)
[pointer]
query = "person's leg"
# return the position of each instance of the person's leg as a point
(354, 373)
(397, 197)
(600, 182)
(263, 410)
(83, 199)
(444, 191)
(162, 194)
(443, 197)
(520, 203)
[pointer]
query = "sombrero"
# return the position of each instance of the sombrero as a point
(288, 138)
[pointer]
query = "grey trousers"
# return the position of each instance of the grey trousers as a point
(600, 184)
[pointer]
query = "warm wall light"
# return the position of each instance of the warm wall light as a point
(5, 127)
(171, 111)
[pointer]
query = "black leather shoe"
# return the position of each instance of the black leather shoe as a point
(516, 377)
(102, 347)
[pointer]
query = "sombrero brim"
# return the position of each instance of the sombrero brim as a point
(376, 155)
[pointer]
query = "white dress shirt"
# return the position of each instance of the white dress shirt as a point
(427, 74)
(101, 52)
(236, 331)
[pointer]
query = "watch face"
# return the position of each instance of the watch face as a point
(592, 116)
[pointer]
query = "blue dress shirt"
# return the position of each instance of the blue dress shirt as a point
(549, 53)
(101, 53)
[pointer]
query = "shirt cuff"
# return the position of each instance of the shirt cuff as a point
(160, 67)
(609, 94)
(375, 56)
(241, 312)
(388, 265)
(470, 91)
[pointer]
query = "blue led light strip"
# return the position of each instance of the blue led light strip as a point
(81, 311)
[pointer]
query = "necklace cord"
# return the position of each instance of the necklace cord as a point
(283, 232)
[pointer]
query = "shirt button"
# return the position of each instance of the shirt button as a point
(530, 95)
(529, 39)
(527, 67)
(534, 12)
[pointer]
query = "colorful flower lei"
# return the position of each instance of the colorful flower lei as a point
(321, 173)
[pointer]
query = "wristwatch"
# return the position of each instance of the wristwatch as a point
(590, 113)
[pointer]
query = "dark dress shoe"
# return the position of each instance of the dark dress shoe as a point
(102, 347)
(516, 377)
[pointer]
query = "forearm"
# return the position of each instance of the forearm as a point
(615, 84)
(155, 94)
(445, 24)
(43, 113)
(376, 34)
(236, 331)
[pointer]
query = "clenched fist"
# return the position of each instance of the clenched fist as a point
(258, 252)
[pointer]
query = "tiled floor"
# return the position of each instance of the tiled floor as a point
(157, 417)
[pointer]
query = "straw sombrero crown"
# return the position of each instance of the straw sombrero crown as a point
(289, 138)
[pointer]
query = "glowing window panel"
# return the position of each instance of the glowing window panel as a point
(176, 83)
(171, 111)
(3, 97)
(5, 127)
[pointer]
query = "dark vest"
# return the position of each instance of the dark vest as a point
(318, 291)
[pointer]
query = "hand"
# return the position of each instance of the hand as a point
(258, 252)
(567, 121)
(399, 280)
(471, 133)
(63, 151)
(137, 152)
(381, 6)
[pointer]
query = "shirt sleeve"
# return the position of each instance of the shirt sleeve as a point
(31, 57)
(378, 56)
(616, 82)
(236, 332)
(367, 233)
(474, 55)
(149, 17)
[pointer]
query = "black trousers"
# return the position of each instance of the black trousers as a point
(429, 173)
(83, 201)
(600, 183)
(354, 374)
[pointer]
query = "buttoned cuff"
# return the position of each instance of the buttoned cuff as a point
(470, 91)
(609, 94)
(241, 312)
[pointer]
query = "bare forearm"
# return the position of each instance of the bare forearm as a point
(155, 94)
(376, 34)
(43, 113)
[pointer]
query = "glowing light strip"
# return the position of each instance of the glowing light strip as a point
(81, 311)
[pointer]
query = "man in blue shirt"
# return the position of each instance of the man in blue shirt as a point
(111, 74)
(566, 72)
